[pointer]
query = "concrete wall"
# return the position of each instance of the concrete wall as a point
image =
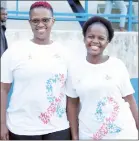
(4, 4)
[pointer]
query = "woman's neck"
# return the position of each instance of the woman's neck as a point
(42, 42)
(97, 59)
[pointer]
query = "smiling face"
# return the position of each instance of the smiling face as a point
(41, 21)
(96, 39)
(3, 15)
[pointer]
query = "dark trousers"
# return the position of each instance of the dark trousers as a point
(60, 135)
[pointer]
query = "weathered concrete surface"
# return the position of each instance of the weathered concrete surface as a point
(124, 45)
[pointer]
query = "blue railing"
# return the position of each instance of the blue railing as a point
(130, 19)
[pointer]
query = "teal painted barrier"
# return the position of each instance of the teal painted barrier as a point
(83, 13)
(134, 82)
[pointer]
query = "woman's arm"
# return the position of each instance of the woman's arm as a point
(72, 113)
(133, 106)
(5, 87)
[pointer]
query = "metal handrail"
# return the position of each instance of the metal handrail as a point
(59, 16)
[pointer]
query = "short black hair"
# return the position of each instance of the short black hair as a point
(101, 20)
(43, 4)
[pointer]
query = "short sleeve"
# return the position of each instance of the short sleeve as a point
(126, 86)
(6, 71)
(71, 91)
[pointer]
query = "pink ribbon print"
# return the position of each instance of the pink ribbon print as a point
(108, 125)
(55, 102)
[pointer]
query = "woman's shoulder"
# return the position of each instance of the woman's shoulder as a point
(16, 48)
(118, 64)
(19, 44)
(117, 60)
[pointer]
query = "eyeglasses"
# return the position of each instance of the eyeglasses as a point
(5, 14)
(37, 21)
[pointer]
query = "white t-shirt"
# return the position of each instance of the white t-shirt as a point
(100, 87)
(38, 101)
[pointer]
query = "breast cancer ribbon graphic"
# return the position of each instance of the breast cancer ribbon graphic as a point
(55, 102)
(108, 125)
(46, 116)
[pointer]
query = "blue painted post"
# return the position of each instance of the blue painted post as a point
(86, 8)
(130, 15)
(17, 8)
